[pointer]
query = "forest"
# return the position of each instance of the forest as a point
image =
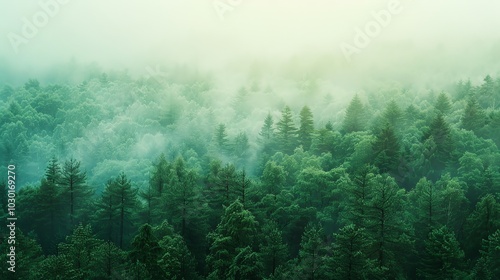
(166, 178)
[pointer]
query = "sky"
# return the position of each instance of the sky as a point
(399, 39)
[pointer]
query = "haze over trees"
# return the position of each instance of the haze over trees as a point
(121, 181)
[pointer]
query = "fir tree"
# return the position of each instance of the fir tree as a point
(306, 128)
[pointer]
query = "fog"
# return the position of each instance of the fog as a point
(421, 39)
(296, 53)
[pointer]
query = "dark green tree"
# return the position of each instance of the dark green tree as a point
(235, 232)
(488, 265)
(306, 128)
(443, 256)
(273, 251)
(350, 249)
(147, 251)
(76, 192)
(313, 258)
(481, 223)
(386, 150)
(79, 247)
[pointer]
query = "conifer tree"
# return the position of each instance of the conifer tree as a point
(473, 118)
(443, 256)
(286, 134)
(306, 128)
(442, 104)
(386, 150)
(75, 189)
(235, 232)
(354, 117)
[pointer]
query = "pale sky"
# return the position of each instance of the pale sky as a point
(126, 34)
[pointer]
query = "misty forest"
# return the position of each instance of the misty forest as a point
(248, 140)
(153, 178)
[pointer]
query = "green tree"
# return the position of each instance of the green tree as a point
(393, 114)
(350, 249)
(273, 178)
(146, 251)
(286, 134)
(273, 251)
(126, 203)
(234, 233)
(313, 262)
(440, 145)
(354, 117)
(473, 118)
(481, 223)
(386, 226)
(488, 265)
(306, 128)
(79, 247)
(50, 208)
(75, 189)
(267, 136)
(442, 104)
(386, 150)
(221, 138)
(443, 256)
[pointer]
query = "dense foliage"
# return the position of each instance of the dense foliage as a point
(155, 179)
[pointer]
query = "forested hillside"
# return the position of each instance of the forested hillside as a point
(180, 178)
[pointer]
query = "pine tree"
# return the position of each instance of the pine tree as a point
(177, 261)
(386, 150)
(313, 263)
(273, 178)
(306, 128)
(473, 118)
(488, 266)
(443, 256)
(385, 225)
(234, 233)
(267, 136)
(108, 261)
(49, 207)
(126, 199)
(79, 247)
(442, 104)
(350, 260)
(286, 134)
(76, 191)
(273, 251)
(392, 114)
(481, 223)
(147, 251)
(438, 137)
(157, 187)
(221, 138)
(107, 212)
(354, 117)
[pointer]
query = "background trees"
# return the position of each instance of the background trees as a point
(168, 186)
